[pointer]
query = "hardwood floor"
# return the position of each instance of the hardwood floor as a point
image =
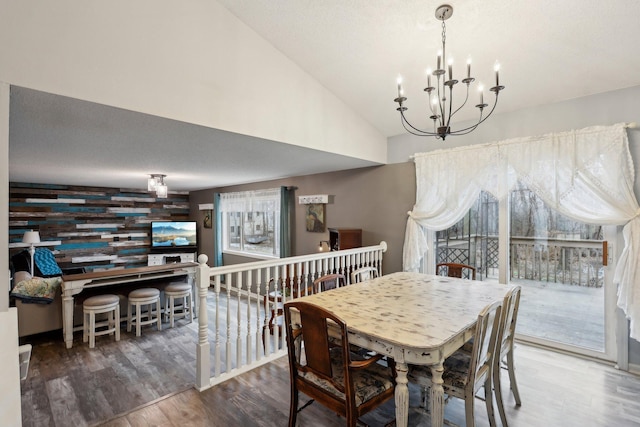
(83, 386)
(556, 390)
(147, 381)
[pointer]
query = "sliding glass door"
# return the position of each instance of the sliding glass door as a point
(568, 301)
(562, 267)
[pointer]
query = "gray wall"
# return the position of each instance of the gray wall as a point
(377, 199)
(374, 199)
(602, 109)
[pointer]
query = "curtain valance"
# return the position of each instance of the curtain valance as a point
(267, 200)
(585, 174)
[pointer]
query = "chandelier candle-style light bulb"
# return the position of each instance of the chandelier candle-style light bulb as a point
(440, 95)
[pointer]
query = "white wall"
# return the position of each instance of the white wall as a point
(5, 92)
(190, 61)
(10, 409)
(602, 109)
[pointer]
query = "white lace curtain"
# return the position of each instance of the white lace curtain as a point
(267, 200)
(587, 175)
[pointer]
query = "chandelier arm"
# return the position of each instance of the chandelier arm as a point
(463, 104)
(404, 120)
(450, 105)
(481, 120)
(417, 132)
(466, 130)
(470, 128)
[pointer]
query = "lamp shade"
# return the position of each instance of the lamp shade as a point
(152, 183)
(161, 191)
(31, 237)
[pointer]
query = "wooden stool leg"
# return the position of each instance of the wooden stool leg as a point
(117, 322)
(166, 308)
(138, 318)
(190, 297)
(158, 314)
(172, 307)
(92, 329)
(111, 321)
(129, 316)
(85, 326)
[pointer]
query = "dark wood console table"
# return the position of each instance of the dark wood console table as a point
(73, 284)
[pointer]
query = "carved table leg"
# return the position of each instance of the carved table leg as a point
(402, 395)
(437, 396)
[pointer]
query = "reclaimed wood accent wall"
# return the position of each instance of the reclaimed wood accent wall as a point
(99, 228)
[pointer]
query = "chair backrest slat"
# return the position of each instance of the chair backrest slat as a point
(328, 282)
(364, 273)
(452, 269)
(510, 305)
(484, 342)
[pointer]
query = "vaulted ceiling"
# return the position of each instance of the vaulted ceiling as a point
(549, 51)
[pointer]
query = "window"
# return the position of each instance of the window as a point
(251, 222)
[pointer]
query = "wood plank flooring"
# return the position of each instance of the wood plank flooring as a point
(147, 380)
(556, 390)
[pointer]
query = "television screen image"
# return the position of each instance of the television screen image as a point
(173, 234)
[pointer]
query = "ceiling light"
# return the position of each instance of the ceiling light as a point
(156, 183)
(440, 95)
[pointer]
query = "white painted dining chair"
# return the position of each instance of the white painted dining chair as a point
(364, 273)
(504, 350)
(466, 373)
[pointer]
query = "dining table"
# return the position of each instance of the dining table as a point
(413, 318)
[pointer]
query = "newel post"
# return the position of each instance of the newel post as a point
(203, 368)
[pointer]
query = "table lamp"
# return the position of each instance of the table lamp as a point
(31, 237)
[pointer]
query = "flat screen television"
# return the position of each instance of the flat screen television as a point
(173, 236)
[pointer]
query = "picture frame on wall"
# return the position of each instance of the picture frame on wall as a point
(207, 221)
(315, 217)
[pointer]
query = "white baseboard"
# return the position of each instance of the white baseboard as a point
(634, 369)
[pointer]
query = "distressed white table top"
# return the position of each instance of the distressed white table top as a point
(415, 312)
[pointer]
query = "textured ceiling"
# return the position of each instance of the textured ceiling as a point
(549, 51)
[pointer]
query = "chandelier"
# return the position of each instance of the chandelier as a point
(441, 105)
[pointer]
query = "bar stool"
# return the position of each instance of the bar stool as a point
(175, 291)
(139, 298)
(109, 304)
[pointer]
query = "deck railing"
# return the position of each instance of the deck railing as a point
(558, 260)
(575, 262)
(245, 318)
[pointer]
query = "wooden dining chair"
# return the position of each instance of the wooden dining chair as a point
(466, 373)
(452, 269)
(504, 350)
(364, 273)
(328, 282)
(325, 370)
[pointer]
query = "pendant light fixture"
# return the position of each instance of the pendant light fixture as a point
(440, 98)
(156, 183)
